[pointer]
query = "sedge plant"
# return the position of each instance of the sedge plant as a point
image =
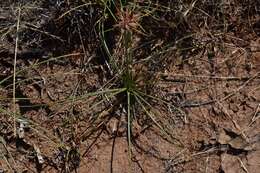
(135, 96)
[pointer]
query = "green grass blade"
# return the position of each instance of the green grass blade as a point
(129, 127)
(152, 115)
(160, 100)
(139, 99)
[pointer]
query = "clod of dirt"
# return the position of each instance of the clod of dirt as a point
(236, 141)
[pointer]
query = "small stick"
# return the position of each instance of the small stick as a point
(243, 165)
(227, 78)
(14, 76)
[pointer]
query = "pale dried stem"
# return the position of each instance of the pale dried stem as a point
(14, 69)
